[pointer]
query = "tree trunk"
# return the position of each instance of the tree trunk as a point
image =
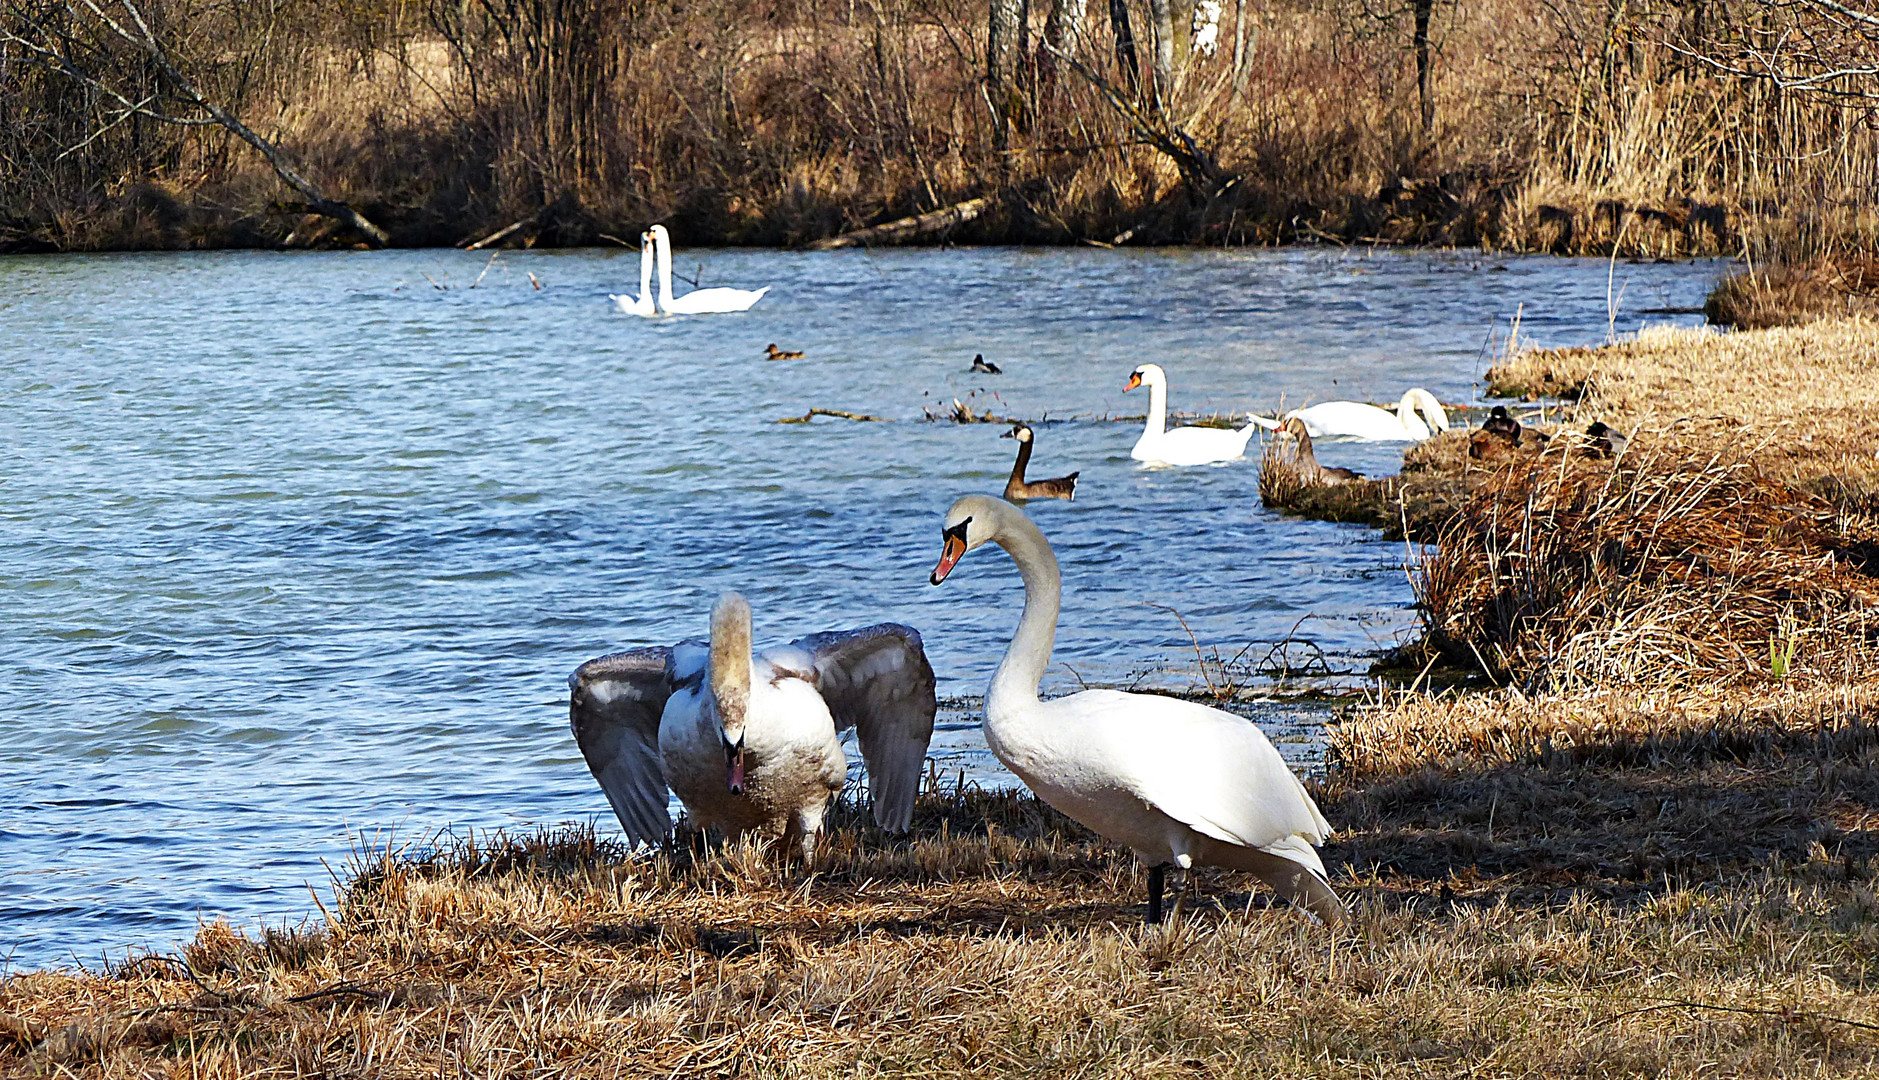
(1004, 47)
(1125, 45)
(1242, 59)
(1064, 26)
(1162, 12)
(1424, 9)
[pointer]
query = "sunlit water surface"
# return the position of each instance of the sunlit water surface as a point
(295, 546)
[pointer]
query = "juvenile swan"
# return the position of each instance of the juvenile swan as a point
(1182, 445)
(1176, 782)
(748, 742)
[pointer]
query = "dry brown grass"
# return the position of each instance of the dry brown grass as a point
(1585, 918)
(1794, 293)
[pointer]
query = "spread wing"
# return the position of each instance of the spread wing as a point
(877, 681)
(614, 705)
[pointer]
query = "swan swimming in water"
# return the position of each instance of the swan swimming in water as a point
(641, 305)
(1418, 415)
(698, 301)
(1183, 445)
(1175, 781)
(749, 741)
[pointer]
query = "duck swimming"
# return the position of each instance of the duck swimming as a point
(774, 353)
(982, 366)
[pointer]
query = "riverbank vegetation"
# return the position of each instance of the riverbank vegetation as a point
(1663, 129)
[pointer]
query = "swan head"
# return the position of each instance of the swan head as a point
(1148, 374)
(1021, 432)
(973, 520)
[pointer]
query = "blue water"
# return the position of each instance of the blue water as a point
(295, 546)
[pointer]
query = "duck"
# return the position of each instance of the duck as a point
(641, 305)
(1183, 445)
(1178, 783)
(698, 301)
(982, 366)
(1604, 440)
(1018, 490)
(1499, 434)
(1418, 416)
(750, 741)
(774, 353)
(1305, 459)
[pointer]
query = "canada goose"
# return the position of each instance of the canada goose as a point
(1018, 490)
(1175, 781)
(749, 741)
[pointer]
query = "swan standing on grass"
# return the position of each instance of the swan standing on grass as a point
(1182, 445)
(1175, 781)
(641, 305)
(1356, 420)
(698, 301)
(749, 742)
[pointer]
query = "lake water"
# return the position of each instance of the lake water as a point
(296, 546)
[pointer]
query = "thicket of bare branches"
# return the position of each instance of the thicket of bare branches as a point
(1567, 125)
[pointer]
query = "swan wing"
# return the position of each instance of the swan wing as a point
(1352, 419)
(1214, 772)
(614, 705)
(877, 681)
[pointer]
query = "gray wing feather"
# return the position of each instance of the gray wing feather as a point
(877, 681)
(614, 705)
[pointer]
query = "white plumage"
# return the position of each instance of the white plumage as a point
(641, 305)
(1418, 416)
(1183, 445)
(1177, 782)
(698, 301)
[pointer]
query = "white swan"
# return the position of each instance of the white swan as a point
(698, 301)
(1175, 781)
(748, 742)
(1356, 420)
(1182, 445)
(642, 304)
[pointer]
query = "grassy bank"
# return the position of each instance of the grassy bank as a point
(1517, 124)
(1573, 909)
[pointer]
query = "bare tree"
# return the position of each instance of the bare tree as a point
(1004, 49)
(31, 27)
(1125, 45)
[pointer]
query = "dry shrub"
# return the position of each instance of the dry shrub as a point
(1656, 569)
(1792, 293)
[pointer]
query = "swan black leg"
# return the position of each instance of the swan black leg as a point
(1154, 893)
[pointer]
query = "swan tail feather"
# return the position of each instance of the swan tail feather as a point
(1291, 867)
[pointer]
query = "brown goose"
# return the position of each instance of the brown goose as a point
(1018, 490)
(1306, 459)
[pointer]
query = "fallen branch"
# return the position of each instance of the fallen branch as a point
(837, 413)
(956, 214)
(499, 234)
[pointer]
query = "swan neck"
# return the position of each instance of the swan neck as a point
(1015, 682)
(665, 268)
(1157, 408)
(645, 274)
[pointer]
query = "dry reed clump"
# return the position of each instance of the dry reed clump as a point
(1656, 569)
(1497, 929)
(1803, 402)
(1793, 293)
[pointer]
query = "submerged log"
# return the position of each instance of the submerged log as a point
(956, 214)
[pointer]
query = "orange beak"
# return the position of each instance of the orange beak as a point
(1135, 380)
(951, 551)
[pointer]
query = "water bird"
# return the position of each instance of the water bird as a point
(1175, 781)
(1606, 441)
(1182, 445)
(1019, 490)
(982, 366)
(1418, 415)
(1499, 434)
(748, 742)
(774, 353)
(1305, 459)
(641, 305)
(698, 301)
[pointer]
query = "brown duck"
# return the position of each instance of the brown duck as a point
(1499, 433)
(1020, 491)
(1306, 459)
(774, 353)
